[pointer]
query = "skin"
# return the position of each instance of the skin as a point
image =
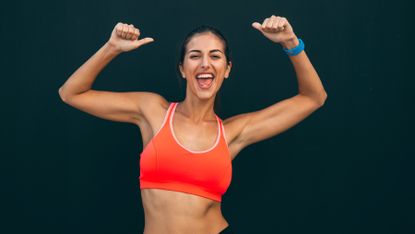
(176, 212)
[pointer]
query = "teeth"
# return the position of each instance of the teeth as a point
(205, 76)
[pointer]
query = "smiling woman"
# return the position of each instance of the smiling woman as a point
(223, 52)
(204, 65)
(186, 162)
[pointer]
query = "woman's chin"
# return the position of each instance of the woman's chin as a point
(205, 95)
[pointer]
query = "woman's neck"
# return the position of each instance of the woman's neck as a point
(197, 110)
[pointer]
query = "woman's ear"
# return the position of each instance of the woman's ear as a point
(228, 70)
(181, 71)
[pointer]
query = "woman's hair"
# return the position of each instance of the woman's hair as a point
(183, 47)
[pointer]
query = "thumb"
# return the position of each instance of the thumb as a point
(257, 26)
(143, 41)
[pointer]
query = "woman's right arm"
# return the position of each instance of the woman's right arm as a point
(115, 106)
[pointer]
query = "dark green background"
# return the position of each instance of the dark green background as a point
(348, 168)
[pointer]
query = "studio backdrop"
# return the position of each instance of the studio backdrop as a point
(347, 168)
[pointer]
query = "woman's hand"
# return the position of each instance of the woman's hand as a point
(124, 38)
(278, 30)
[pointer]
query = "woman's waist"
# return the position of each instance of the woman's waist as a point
(169, 204)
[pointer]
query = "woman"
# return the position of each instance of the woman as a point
(185, 166)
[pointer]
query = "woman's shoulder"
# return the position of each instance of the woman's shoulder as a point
(152, 104)
(153, 107)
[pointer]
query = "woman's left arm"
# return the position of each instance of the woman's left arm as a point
(255, 126)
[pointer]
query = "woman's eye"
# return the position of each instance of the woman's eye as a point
(197, 56)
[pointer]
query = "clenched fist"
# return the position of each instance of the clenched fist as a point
(277, 29)
(124, 38)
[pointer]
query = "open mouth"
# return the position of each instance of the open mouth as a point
(205, 80)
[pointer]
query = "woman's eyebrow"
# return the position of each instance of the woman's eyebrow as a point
(199, 51)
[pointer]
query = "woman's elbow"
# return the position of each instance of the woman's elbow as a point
(322, 99)
(62, 95)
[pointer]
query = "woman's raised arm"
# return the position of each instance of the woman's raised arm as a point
(115, 106)
(248, 128)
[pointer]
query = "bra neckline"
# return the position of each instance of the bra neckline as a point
(184, 147)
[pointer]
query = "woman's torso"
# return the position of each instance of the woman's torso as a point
(177, 212)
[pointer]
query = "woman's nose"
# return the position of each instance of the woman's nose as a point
(205, 62)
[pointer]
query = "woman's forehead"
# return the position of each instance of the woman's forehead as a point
(205, 42)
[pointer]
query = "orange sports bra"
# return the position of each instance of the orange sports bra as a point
(166, 164)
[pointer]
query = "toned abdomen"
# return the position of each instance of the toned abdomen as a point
(176, 212)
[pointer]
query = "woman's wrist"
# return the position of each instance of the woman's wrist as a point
(112, 49)
(295, 50)
(290, 43)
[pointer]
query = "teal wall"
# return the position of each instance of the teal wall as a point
(348, 168)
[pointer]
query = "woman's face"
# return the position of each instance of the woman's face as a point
(204, 65)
